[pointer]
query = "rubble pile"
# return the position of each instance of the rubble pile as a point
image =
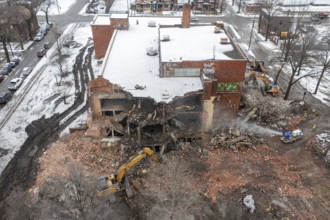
(321, 144)
(274, 112)
(233, 139)
(267, 110)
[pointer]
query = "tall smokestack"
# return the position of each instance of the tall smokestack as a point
(186, 15)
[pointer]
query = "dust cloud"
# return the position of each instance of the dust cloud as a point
(256, 129)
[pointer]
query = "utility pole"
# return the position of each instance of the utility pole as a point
(251, 33)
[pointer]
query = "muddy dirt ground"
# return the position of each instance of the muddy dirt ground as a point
(287, 181)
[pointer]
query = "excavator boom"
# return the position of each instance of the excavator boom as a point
(112, 182)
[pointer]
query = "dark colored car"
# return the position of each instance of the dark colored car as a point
(41, 53)
(6, 69)
(5, 97)
(1, 78)
(15, 61)
(47, 45)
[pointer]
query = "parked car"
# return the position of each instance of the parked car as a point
(41, 53)
(45, 28)
(39, 37)
(47, 45)
(15, 83)
(26, 71)
(5, 97)
(15, 61)
(6, 69)
(1, 78)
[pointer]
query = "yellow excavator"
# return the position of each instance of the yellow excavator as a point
(265, 82)
(107, 185)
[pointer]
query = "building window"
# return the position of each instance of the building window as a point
(187, 72)
(226, 87)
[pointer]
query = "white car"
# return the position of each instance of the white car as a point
(26, 71)
(15, 83)
(38, 37)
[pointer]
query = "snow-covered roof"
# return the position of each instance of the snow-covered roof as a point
(320, 2)
(296, 2)
(119, 16)
(195, 43)
(128, 64)
(304, 2)
(119, 6)
(101, 20)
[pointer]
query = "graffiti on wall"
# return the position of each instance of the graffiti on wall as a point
(208, 68)
(223, 87)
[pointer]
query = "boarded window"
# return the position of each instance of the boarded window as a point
(187, 72)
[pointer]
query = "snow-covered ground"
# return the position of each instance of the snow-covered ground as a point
(58, 7)
(44, 95)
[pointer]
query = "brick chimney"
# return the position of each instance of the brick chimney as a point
(186, 15)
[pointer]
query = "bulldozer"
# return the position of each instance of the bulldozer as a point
(108, 185)
(265, 82)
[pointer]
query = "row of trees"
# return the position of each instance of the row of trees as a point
(299, 50)
(22, 15)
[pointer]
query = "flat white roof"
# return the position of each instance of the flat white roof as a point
(119, 6)
(119, 16)
(194, 43)
(129, 65)
(101, 20)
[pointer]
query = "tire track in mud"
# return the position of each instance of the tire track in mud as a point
(22, 169)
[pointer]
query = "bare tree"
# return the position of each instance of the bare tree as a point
(298, 58)
(222, 5)
(239, 6)
(172, 194)
(279, 71)
(19, 205)
(270, 11)
(4, 30)
(33, 7)
(324, 59)
(59, 61)
(45, 7)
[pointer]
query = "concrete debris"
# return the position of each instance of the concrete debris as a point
(234, 140)
(249, 203)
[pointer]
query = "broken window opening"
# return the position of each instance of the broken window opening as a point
(153, 129)
(111, 113)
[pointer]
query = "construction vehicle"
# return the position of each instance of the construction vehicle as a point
(291, 136)
(258, 66)
(107, 185)
(265, 82)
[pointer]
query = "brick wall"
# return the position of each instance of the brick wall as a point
(102, 35)
(186, 16)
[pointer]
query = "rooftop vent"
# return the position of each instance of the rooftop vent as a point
(152, 24)
(224, 40)
(151, 51)
(166, 38)
(217, 30)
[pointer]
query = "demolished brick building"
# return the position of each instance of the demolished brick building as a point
(161, 71)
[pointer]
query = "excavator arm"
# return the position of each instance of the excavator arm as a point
(109, 184)
(142, 154)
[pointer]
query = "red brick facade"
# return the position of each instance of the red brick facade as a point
(102, 35)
